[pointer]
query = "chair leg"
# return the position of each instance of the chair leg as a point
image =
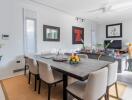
(105, 96)
(39, 86)
(116, 90)
(25, 70)
(99, 98)
(37, 76)
(107, 93)
(35, 82)
(29, 77)
(49, 92)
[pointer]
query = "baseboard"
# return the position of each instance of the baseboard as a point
(18, 70)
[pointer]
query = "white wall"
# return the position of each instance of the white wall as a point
(126, 28)
(11, 22)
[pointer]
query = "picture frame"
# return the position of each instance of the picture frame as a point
(51, 33)
(114, 30)
(77, 35)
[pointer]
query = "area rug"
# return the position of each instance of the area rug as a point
(17, 88)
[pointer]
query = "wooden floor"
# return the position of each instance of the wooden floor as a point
(2, 97)
(17, 88)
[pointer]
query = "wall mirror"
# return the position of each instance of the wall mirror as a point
(51, 33)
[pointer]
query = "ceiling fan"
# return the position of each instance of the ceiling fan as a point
(109, 6)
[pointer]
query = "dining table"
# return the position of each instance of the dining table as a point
(79, 71)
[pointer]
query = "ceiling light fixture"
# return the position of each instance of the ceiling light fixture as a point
(78, 19)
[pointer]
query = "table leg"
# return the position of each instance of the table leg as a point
(65, 82)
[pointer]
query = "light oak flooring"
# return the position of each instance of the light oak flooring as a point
(2, 96)
(17, 88)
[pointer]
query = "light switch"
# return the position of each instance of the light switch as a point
(5, 36)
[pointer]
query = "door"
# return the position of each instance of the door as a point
(30, 36)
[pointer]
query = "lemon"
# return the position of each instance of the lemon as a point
(73, 60)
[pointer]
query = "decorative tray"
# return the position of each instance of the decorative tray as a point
(59, 59)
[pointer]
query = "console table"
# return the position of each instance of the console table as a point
(121, 60)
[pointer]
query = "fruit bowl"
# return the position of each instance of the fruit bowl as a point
(74, 59)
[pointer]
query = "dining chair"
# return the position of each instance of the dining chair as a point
(33, 70)
(92, 89)
(48, 76)
(26, 65)
(112, 77)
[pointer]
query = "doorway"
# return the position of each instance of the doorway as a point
(30, 36)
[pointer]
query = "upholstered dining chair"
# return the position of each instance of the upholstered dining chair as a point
(33, 70)
(92, 89)
(26, 64)
(112, 77)
(48, 76)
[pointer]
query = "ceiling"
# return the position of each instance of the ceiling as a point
(81, 8)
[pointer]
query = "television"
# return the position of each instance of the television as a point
(114, 44)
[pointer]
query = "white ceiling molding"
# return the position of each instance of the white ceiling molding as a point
(46, 5)
(60, 10)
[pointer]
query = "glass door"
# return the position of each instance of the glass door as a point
(30, 36)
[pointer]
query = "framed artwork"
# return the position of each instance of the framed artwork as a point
(51, 33)
(77, 35)
(114, 30)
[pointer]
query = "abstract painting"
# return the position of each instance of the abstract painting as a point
(77, 35)
(114, 30)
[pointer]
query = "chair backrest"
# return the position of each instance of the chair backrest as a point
(33, 68)
(96, 84)
(82, 55)
(45, 72)
(112, 73)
